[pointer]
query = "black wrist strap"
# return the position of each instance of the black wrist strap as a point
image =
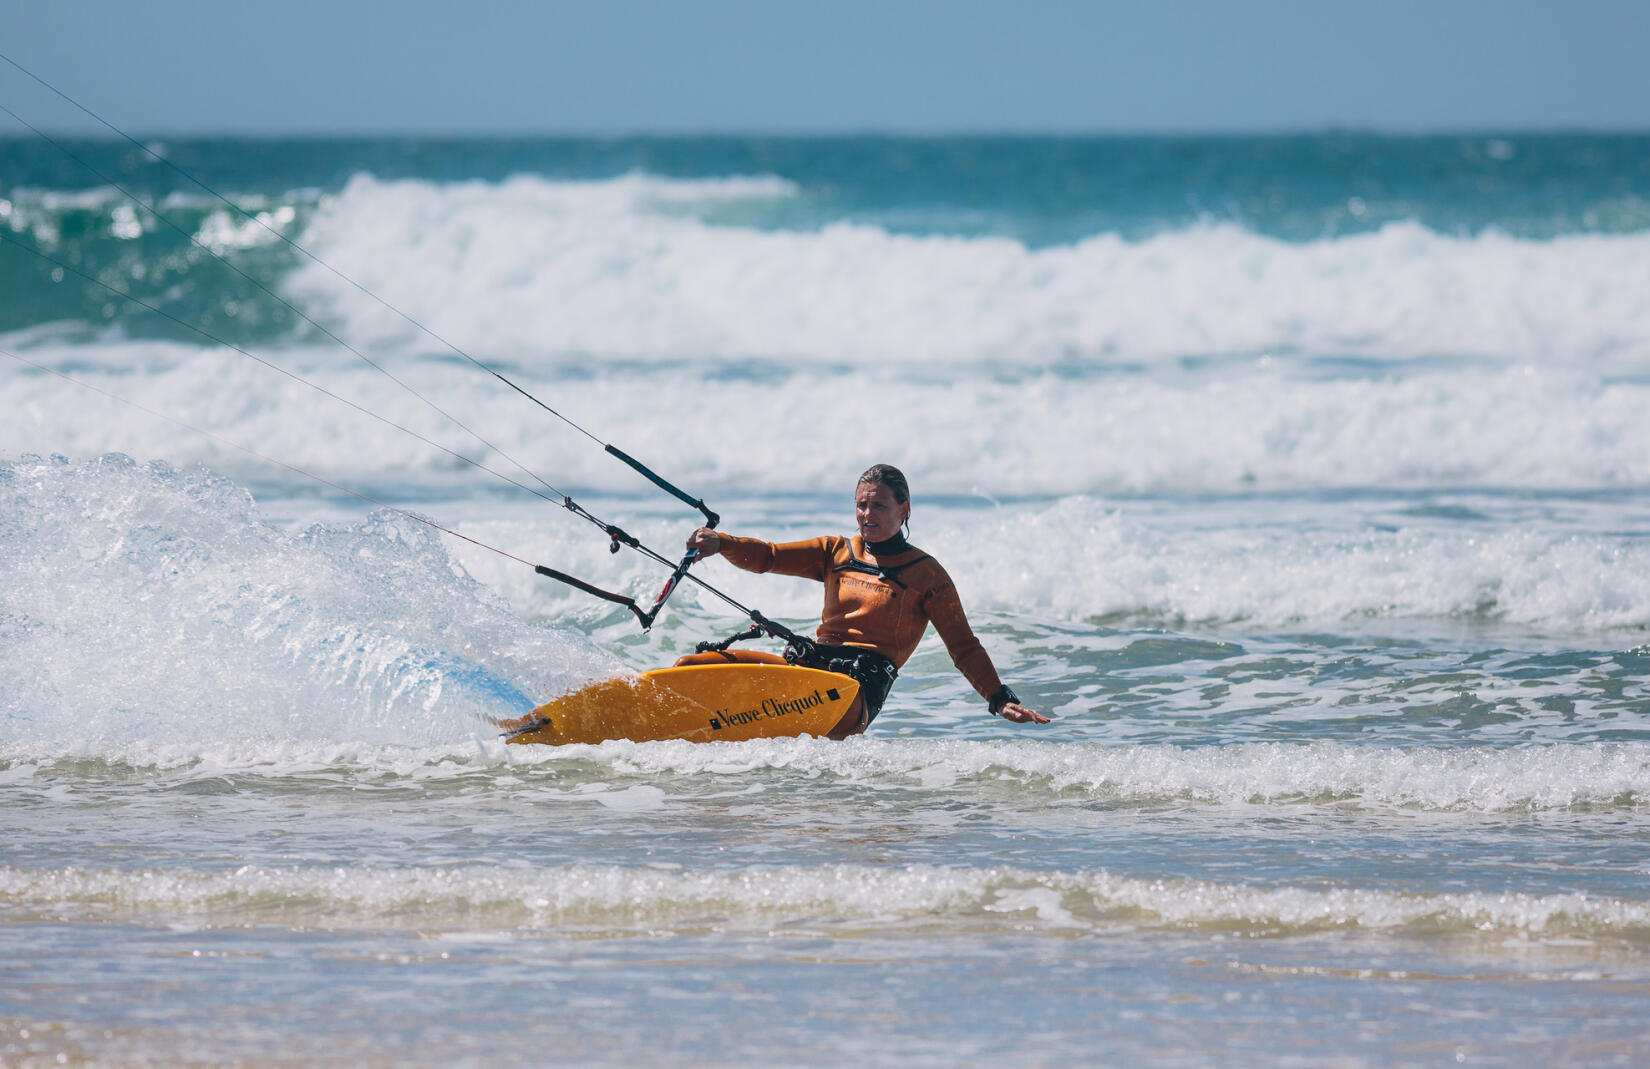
(1005, 694)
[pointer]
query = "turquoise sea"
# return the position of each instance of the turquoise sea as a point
(1305, 481)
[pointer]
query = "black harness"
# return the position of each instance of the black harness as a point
(891, 547)
(881, 571)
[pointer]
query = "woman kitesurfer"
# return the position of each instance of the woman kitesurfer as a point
(881, 593)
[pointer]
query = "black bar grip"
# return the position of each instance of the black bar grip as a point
(595, 591)
(711, 518)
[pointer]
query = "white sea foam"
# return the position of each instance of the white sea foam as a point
(532, 267)
(1239, 428)
(144, 602)
(1203, 565)
(1550, 778)
(1470, 779)
(803, 900)
(1097, 560)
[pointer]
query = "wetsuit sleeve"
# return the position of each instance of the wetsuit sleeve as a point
(945, 612)
(806, 559)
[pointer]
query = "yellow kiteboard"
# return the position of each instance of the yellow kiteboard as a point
(700, 703)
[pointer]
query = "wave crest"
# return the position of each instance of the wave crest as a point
(805, 900)
(625, 269)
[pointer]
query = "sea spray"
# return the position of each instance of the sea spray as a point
(210, 608)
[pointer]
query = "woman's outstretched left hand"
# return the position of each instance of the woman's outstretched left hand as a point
(1021, 715)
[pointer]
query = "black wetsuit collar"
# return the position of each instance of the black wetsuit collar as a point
(889, 547)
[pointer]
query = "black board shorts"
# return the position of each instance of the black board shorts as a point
(874, 673)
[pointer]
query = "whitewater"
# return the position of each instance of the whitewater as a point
(1305, 481)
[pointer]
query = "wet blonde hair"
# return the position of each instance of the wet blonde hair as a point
(891, 477)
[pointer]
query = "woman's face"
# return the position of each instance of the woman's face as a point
(879, 515)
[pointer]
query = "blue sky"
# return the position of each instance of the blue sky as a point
(508, 66)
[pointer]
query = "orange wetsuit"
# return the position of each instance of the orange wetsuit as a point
(880, 603)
